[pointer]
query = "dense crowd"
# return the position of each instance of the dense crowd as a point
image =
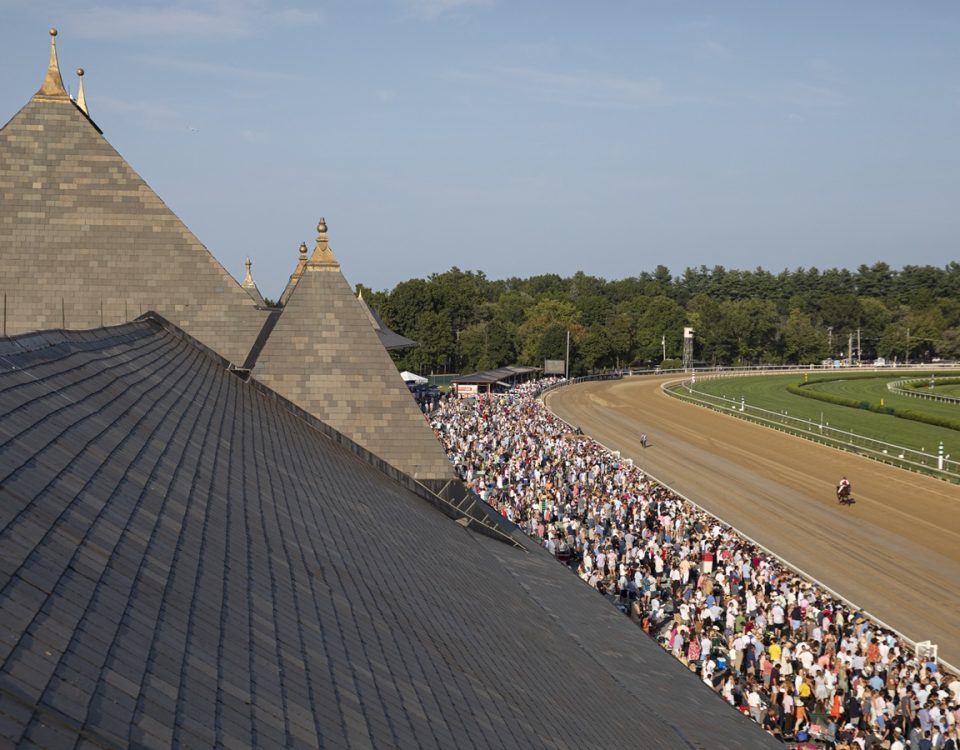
(803, 665)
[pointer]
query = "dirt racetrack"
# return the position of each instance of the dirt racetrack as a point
(895, 552)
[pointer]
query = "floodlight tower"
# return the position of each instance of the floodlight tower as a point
(687, 348)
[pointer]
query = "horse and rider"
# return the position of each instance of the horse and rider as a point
(844, 490)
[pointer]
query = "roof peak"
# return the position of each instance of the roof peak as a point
(323, 258)
(52, 88)
(81, 98)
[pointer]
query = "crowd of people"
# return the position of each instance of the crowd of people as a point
(803, 665)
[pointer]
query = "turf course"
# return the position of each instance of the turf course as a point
(770, 392)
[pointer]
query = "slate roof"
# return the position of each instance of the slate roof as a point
(324, 355)
(85, 242)
(186, 559)
(388, 337)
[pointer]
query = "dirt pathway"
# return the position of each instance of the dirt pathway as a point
(895, 552)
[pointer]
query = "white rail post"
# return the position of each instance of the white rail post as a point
(940, 457)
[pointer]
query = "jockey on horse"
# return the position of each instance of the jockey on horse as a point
(843, 490)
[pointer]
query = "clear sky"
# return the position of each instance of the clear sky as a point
(518, 137)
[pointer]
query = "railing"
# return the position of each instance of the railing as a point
(898, 387)
(936, 464)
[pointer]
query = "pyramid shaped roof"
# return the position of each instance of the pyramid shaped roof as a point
(85, 242)
(325, 356)
(250, 286)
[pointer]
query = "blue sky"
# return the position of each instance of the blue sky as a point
(523, 137)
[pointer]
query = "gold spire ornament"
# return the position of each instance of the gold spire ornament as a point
(323, 258)
(52, 87)
(81, 99)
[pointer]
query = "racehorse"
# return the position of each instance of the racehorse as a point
(843, 494)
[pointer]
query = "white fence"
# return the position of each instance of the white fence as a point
(933, 461)
(900, 387)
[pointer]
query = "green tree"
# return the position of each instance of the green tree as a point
(658, 317)
(803, 342)
(405, 304)
(437, 345)
(487, 344)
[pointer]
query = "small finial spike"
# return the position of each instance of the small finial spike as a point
(53, 83)
(248, 279)
(303, 251)
(81, 99)
(322, 254)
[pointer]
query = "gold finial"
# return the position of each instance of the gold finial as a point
(53, 84)
(81, 99)
(248, 279)
(303, 251)
(323, 257)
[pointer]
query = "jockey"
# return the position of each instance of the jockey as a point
(843, 484)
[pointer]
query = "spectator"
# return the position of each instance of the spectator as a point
(772, 643)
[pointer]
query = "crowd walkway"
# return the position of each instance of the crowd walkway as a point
(776, 647)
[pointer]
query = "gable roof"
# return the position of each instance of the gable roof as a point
(324, 355)
(186, 560)
(85, 242)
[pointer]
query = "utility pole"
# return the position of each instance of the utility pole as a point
(663, 343)
(830, 340)
(858, 346)
(850, 350)
(906, 354)
(566, 367)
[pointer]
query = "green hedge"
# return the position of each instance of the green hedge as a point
(832, 398)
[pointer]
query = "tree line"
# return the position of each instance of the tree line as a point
(464, 321)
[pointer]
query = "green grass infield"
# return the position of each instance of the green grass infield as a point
(866, 407)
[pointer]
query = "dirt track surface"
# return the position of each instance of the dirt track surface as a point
(895, 552)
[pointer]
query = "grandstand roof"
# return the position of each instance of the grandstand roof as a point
(495, 376)
(188, 559)
(85, 242)
(388, 337)
(324, 355)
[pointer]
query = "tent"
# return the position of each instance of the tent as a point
(412, 377)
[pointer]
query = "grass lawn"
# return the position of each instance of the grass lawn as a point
(769, 392)
(948, 390)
